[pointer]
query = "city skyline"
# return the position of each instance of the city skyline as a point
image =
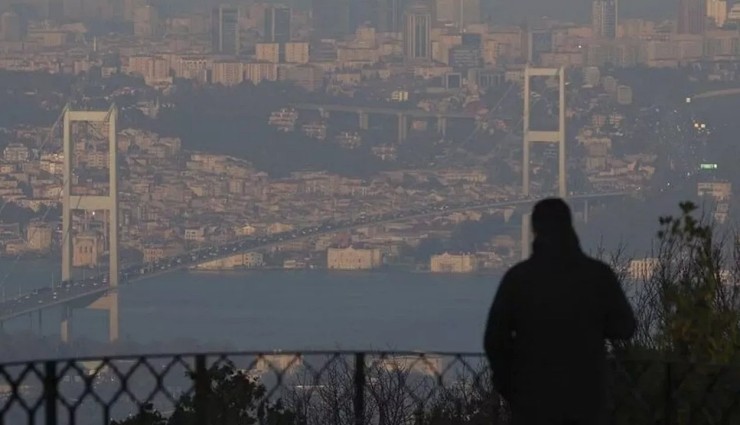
(605, 18)
(199, 177)
(386, 136)
(516, 11)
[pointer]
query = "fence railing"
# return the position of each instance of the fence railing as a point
(332, 388)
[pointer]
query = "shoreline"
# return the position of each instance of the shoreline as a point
(487, 272)
(411, 269)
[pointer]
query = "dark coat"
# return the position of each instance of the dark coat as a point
(546, 332)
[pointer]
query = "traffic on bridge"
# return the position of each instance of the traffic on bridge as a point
(70, 290)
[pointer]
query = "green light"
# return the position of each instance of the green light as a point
(708, 166)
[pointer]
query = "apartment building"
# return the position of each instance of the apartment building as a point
(353, 258)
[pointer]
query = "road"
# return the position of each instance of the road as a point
(68, 291)
(716, 93)
(374, 110)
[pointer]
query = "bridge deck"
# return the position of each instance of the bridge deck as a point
(418, 113)
(97, 285)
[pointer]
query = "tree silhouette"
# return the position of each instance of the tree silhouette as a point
(231, 397)
(689, 304)
(678, 370)
(688, 337)
(147, 416)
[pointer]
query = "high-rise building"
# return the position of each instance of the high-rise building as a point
(90, 9)
(361, 12)
(87, 9)
(448, 10)
(417, 41)
(540, 42)
(389, 15)
(604, 15)
(71, 8)
(717, 11)
(54, 9)
(112, 10)
(225, 30)
(472, 39)
(459, 12)
(330, 18)
(692, 16)
(277, 24)
(146, 21)
(129, 9)
(11, 27)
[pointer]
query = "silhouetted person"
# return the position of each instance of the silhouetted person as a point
(545, 338)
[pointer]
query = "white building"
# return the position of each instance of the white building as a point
(268, 52)
(642, 269)
(604, 18)
(16, 152)
(624, 95)
(296, 52)
(719, 191)
(146, 21)
(353, 259)
(450, 263)
(228, 73)
(717, 11)
(249, 260)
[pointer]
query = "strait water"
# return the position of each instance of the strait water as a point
(289, 310)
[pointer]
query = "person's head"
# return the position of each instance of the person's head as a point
(551, 218)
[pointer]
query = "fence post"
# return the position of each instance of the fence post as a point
(202, 390)
(359, 384)
(51, 394)
(668, 394)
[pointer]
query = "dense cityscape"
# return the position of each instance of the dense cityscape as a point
(367, 110)
(312, 175)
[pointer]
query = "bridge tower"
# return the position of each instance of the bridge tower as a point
(552, 136)
(109, 203)
(549, 136)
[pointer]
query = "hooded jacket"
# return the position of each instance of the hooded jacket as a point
(547, 326)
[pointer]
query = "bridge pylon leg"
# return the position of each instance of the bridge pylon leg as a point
(109, 204)
(113, 316)
(402, 128)
(442, 125)
(364, 119)
(530, 136)
(526, 235)
(65, 331)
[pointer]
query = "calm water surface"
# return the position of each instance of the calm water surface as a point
(260, 310)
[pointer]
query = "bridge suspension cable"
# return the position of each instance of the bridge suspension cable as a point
(491, 111)
(47, 141)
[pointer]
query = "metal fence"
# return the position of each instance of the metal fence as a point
(331, 388)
